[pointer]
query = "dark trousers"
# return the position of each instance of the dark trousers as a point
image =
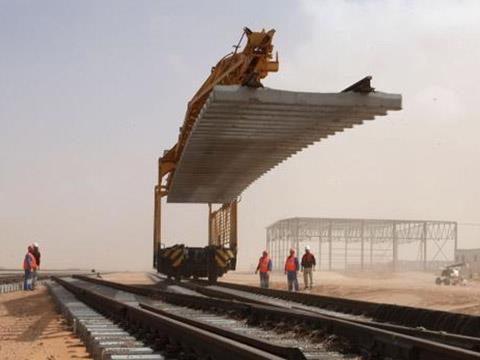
(27, 280)
(264, 279)
(292, 280)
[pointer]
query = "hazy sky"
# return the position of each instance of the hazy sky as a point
(92, 92)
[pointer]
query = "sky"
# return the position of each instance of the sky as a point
(91, 93)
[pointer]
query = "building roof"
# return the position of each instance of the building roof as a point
(241, 133)
(314, 221)
(375, 230)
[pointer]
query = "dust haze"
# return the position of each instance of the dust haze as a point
(92, 93)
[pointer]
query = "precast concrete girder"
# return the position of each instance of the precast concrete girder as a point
(241, 133)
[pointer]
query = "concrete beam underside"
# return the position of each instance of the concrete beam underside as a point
(242, 133)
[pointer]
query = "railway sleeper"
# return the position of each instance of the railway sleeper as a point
(102, 338)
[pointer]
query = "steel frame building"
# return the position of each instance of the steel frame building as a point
(351, 244)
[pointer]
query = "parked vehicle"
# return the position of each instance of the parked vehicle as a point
(451, 275)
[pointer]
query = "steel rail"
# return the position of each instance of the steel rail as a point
(162, 330)
(282, 351)
(11, 279)
(19, 277)
(188, 300)
(372, 337)
(435, 320)
(463, 341)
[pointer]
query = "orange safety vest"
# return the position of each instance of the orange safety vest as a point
(263, 264)
(33, 262)
(290, 264)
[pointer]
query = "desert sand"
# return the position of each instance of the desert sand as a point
(31, 329)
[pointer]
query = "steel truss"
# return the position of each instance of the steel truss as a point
(365, 243)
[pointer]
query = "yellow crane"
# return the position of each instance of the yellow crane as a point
(246, 68)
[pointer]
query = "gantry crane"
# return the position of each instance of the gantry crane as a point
(245, 68)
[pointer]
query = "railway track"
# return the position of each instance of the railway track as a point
(175, 335)
(10, 283)
(8, 279)
(433, 320)
(366, 340)
(454, 339)
(13, 281)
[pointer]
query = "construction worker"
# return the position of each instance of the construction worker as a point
(308, 264)
(36, 255)
(265, 267)
(29, 266)
(291, 269)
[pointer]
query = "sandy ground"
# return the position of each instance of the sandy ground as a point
(141, 278)
(30, 329)
(409, 288)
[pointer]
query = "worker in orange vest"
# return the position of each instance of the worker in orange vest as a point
(265, 267)
(29, 266)
(291, 269)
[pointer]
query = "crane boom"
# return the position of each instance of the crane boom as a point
(247, 68)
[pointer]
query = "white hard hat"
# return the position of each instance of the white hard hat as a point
(307, 247)
(35, 244)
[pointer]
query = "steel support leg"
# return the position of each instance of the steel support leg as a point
(424, 240)
(394, 246)
(362, 243)
(330, 246)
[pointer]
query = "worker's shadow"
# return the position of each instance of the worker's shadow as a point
(30, 320)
